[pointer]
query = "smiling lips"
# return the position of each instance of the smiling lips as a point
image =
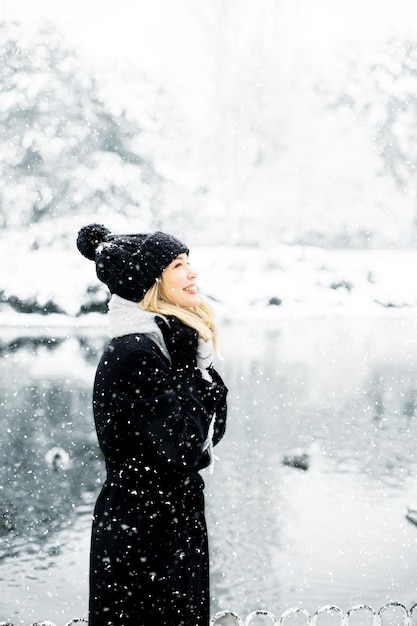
(190, 289)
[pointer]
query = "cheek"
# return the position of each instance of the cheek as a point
(170, 285)
(176, 282)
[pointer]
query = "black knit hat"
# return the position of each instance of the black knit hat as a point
(128, 264)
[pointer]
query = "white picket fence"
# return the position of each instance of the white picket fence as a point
(76, 620)
(373, 617)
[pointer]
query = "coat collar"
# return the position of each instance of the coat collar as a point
(126, 318)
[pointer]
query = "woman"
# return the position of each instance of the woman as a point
(159, 407)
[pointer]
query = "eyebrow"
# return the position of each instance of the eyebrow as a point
(176, 260)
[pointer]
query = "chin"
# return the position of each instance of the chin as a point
(194, 301)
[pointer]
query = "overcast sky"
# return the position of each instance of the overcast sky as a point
(108, 28)
(160, 36)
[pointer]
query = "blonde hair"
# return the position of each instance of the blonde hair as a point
(200, 317)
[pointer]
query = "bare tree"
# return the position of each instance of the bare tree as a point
(245, 88)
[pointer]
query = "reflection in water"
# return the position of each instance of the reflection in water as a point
(42, 409)
(45, 398)
(343, 392)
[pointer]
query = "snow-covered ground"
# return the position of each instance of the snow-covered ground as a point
(244, 283)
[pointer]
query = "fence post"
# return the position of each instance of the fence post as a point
(222, 614)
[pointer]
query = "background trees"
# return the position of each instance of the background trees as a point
(64, 150)
(247, 141)
(379, 94)
(382, 94)
(251, 153)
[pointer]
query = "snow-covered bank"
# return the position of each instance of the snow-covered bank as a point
(295, 281)
(55, 289)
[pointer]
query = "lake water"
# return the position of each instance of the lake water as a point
(342, 391)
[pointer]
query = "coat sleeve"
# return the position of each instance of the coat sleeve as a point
(220, 406)
(172, 415)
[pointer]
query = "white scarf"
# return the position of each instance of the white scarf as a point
(126, 318)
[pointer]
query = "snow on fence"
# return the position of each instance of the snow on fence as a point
(374, 617)
(230, 617)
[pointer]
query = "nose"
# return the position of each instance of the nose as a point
(191, 273)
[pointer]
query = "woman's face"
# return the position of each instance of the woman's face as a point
(178, 283)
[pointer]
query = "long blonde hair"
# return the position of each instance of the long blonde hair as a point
(200, 317)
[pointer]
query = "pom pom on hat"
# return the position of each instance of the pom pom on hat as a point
(128, 264)
(89, 238)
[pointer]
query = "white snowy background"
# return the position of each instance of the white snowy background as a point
(276, 137)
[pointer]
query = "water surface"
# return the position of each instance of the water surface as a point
(344, 392)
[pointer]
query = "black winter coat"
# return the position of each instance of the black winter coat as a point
(149, 553)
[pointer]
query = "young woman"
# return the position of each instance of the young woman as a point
(159, 408)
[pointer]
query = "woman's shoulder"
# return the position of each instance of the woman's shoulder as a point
(135, 344)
